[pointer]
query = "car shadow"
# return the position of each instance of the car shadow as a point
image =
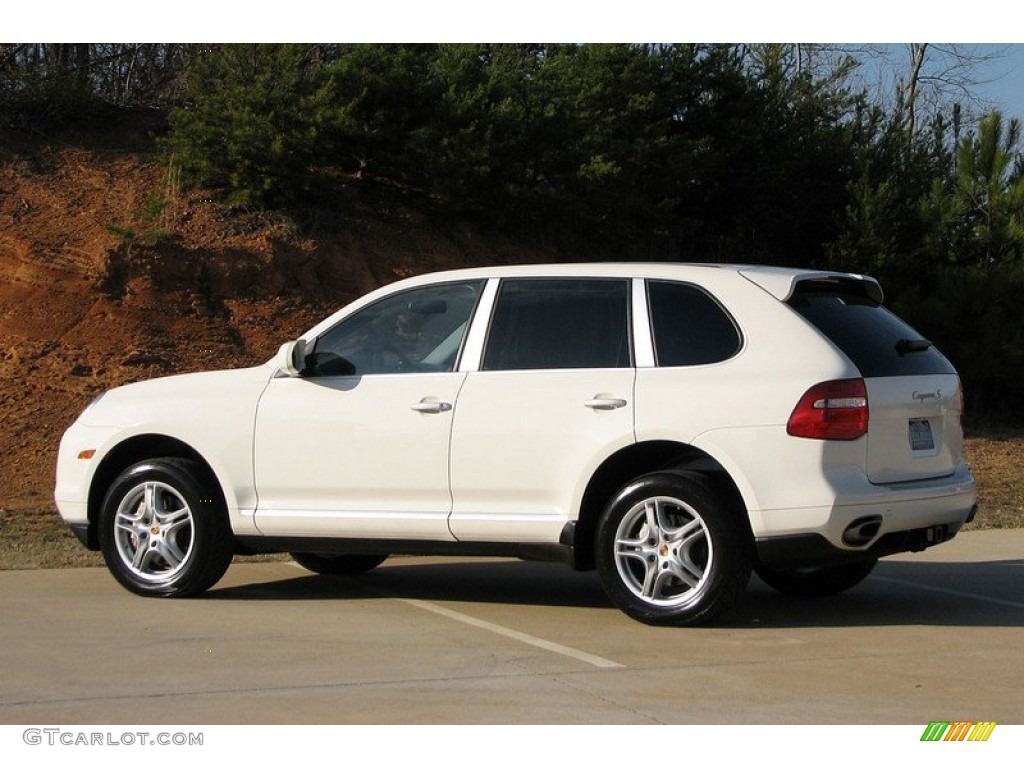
(899, 593)
(982, 594)
(485, 581)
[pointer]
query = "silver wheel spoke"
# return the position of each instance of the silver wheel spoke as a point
(139, 558)
(174, 521)
(687, 573)
(663, 584)
(633, 554)
(692, 529)
(686, 553)
(651, 579)
(128, 525)
(652, 513)
(170, 552)
(149, 502)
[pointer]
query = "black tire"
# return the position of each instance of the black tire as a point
(690, 568)
(163, 529)
(328, 564)
(815, 582)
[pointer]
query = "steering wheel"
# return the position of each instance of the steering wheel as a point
(390, 360)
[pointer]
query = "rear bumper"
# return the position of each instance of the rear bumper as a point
(813, 549)
(902, 517)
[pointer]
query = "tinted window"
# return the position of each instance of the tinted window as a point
(689, 327)
(875, 340)
(559, 324)
(416, 331)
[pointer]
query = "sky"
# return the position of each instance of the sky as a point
(883, 21)
(1006, 86)
(993, 80)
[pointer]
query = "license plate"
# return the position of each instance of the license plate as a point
(921, 435)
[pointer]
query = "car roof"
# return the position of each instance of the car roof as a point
(778, 281)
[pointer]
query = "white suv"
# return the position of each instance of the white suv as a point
(672, 426)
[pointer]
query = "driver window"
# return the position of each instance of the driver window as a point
(416, 331)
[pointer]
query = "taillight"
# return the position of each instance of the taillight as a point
(832, 410)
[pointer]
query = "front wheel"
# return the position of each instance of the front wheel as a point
(816, 582)
(163, 529)
(669, 551)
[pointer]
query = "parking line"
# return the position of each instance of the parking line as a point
(955, 592)
(522, 637)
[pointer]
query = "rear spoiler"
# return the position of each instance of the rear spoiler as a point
(782, 283)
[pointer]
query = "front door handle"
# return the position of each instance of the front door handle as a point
(431, 406)
(604, 403)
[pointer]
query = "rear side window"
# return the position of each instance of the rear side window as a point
(875, 340)
(563, 323)
(689, 326)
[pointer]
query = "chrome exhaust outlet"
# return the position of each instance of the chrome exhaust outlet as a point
(862, 530)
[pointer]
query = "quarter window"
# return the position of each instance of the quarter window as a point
(689, 326)
(559, 323)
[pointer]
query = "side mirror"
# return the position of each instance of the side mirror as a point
(291, 357)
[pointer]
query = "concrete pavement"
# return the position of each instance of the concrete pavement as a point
(935, 635)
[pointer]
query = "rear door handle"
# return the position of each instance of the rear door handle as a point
(605, 403)
(431, 406)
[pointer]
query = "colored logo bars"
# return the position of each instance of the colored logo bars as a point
(959, 730)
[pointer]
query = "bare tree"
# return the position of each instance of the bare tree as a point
(937, 76)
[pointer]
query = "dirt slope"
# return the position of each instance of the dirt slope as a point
(108, 274)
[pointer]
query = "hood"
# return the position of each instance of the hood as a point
(175, 396)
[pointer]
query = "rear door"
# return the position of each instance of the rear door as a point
(914, 395)
(552, 397)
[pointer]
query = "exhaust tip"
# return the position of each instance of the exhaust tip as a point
(862, 530)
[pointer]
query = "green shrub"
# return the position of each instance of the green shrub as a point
(974, 315)
(252, 129)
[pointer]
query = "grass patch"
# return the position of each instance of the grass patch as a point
(997, 460)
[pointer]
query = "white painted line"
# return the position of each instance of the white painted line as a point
(522, 637)
(956, 592)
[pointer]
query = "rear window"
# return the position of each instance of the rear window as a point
(875, 340)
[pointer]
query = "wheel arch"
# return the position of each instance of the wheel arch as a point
(640, 459)
(132, 451)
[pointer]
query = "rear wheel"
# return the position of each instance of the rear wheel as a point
(163, 529)
(669, 551)
(337, 565)
(816, 582)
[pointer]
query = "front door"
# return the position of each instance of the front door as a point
(358, 445)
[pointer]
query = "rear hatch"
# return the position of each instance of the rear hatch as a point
(914, 397)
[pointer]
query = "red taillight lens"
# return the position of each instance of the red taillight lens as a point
(832, 410)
